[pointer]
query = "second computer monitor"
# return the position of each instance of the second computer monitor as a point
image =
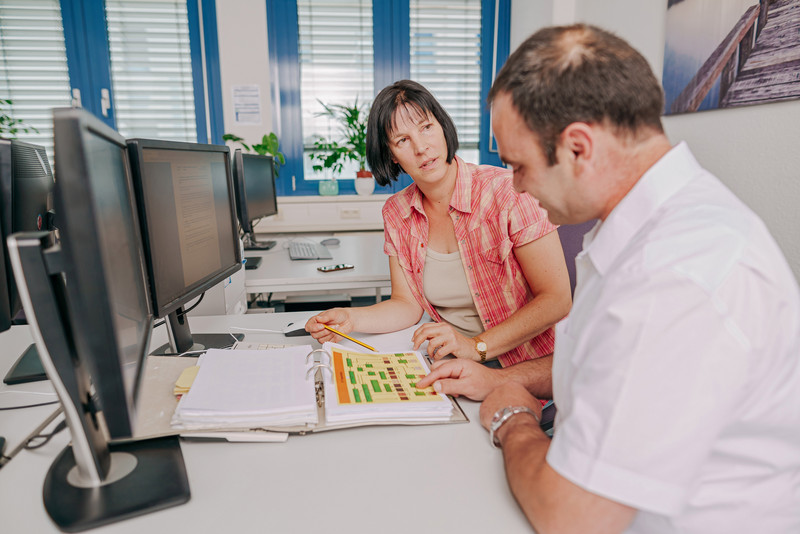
(186, 204)
(254, 180)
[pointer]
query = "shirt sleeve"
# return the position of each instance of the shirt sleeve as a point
(527, 220)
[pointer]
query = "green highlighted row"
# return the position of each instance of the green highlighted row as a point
(367, 395)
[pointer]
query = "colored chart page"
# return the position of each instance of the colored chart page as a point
(379, 378)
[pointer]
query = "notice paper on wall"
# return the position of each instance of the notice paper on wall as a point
(246, 104)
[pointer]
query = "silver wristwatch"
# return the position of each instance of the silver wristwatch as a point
(501, 416)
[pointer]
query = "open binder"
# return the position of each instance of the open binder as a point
(317, 389)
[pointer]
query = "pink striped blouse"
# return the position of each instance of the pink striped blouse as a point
(490, 220)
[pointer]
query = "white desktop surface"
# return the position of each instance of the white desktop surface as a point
(278, 273)
(438, 478)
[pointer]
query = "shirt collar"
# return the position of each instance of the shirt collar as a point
(667, 176)
(462, 194)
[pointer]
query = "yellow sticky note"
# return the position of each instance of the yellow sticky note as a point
(186, 379)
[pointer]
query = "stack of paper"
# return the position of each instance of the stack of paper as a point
(236, 389)
(379, 387)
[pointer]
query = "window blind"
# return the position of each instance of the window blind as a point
(335, 53)
(151, 69)
(33, 65)
(445, 58)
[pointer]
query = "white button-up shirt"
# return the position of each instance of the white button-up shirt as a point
(677, 372)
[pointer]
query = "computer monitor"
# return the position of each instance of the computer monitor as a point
(86, 301)
(254, 182)
(26, 186)
(187, 213)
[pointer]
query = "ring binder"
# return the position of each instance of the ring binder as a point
(318, 365)
(323, 351)
(358, 390)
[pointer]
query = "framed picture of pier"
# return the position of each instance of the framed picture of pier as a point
(730, 53)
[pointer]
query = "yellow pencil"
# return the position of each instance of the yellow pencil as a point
(350, 338)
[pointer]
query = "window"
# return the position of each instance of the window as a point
(446, 59)
(352, 48)
(335, 51)
(33, 65)
(151, 69)
(135, 64)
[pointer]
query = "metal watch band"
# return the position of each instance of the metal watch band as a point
(502, 416)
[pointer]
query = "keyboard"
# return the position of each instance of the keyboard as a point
(302, 250)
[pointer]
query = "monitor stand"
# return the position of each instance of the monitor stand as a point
(249, 242)
(27, 368)
(181, 339)
(145, 476)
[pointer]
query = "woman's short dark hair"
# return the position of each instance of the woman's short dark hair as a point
(579, 73)
(416, 99)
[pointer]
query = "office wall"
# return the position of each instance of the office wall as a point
(244, 60)
(753, 150)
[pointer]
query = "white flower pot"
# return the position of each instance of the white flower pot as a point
(365, 186)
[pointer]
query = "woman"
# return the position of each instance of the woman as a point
(482, 260)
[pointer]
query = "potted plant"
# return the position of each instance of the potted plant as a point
(350, 144)
(9, 126)
(269, 146)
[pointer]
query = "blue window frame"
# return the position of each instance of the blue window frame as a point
(88, 60)
(391, 53)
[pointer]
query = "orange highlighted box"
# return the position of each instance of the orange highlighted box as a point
(341, 380)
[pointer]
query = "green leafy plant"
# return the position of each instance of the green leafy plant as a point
(9, 126)
(350, 144)
(269, 145)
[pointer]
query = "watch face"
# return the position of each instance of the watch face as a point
(481, 346)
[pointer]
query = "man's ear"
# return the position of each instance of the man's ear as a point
(577, 141)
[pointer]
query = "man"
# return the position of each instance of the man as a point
(677, 372)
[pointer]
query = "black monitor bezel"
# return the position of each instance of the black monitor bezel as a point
(6, 276)
(136, 149)
(10, 303)
(87, 288)
(240, 183)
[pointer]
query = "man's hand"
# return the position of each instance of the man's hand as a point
(462, 377)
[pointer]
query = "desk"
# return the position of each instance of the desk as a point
(277, 273)
(438, 478)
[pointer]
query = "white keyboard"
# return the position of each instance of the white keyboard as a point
(302, 250)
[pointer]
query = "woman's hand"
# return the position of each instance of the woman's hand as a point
(442, 340)
(337, 318)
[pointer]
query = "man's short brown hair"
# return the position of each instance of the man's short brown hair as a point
(580, 73)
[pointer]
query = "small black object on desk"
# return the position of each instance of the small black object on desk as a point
(259, 245)
(252, 262)
(295, 330)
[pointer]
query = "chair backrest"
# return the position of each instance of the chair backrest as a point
(571, 236)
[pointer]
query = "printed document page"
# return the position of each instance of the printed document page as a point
(249, 388)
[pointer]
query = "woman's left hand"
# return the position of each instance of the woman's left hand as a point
(442, 340)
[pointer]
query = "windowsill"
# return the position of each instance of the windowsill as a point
(332, 198)
(317, 213)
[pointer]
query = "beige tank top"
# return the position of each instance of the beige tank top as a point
(444, 284)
